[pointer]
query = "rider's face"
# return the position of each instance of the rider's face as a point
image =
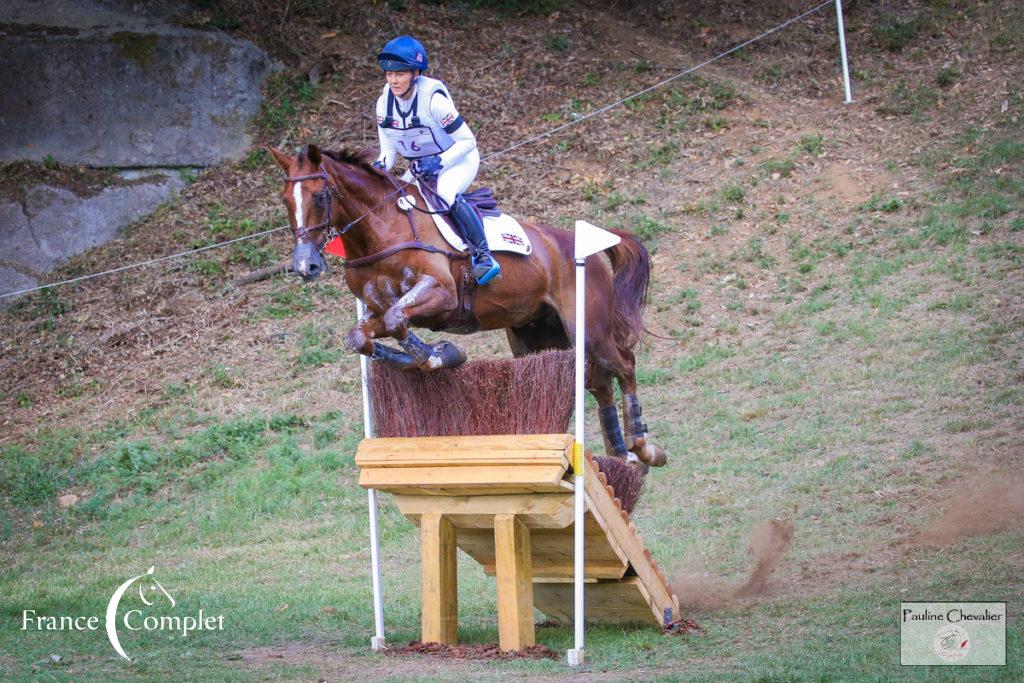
(399, 81)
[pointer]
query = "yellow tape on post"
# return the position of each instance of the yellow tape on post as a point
(577, 459)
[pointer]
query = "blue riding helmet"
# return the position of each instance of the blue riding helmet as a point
(402, 54)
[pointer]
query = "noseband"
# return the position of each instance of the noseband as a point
(303, 233)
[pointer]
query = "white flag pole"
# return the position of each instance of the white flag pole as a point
(590, 239)
(575, 655)
(377, 641)
(842, 51)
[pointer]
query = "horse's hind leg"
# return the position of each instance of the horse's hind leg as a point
(608, 358)
(549, 333)
(637, 438)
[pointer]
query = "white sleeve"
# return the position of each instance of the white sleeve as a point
(388, 152)
(443, 110)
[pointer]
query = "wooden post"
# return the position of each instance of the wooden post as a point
(440, 622)
(515, 583)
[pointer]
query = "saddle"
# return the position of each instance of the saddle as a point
(503, 232)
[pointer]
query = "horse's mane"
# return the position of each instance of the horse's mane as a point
(346, 156)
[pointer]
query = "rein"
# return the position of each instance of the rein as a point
(302, 234)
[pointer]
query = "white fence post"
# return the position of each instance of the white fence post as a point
(377, 641)
(590, 239)
(842, 51)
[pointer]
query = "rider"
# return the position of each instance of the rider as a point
(416, 118)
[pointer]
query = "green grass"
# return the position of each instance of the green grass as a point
(905, 100)
(883, 203)
(317, 347)
(659, 156)
(947, 76)
(648, 229)
(812, 144)
(894, 34)
(559, 43)
(733, 193)
(286, 94)
(784, 167)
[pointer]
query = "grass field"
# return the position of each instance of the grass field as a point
(839, 297)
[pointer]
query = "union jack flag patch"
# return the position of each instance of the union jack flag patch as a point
(512, 239)
(447, 120)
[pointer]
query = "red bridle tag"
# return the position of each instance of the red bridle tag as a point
(335, 247)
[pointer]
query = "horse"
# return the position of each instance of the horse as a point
(422, 283)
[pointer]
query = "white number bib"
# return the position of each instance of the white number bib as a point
(413, 142)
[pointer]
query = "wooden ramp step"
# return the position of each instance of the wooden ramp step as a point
(607, 602)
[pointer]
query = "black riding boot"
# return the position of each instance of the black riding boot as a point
(485, 267)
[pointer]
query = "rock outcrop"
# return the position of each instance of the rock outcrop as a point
(50, 224)
(120, 88)
(111, 84)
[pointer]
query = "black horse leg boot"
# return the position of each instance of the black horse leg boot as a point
(485, 267)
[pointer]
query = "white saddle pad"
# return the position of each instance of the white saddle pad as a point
(504, 233)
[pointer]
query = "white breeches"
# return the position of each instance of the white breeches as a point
(455, 179)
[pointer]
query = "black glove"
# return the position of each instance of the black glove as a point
(379, 165)
(429, 167)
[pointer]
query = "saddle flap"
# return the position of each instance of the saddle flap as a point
(503, 232)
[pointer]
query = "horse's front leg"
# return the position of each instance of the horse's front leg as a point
(428, 298)
(360, 340)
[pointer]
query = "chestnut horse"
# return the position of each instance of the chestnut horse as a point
(402, 269)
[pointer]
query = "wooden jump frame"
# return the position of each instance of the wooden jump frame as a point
(507, 502)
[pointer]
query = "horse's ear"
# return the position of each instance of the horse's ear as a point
(282, 159)
(313, 154)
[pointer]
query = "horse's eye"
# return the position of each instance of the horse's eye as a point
(320, 198)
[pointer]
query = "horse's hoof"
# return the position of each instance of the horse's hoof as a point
(631, 459)
(451, 355)
(651, 455)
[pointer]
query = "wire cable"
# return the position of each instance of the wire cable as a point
(145, 263)
(521, 143)
(657, 85)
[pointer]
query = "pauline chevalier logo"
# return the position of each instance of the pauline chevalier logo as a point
(153, 597)
(962, 633)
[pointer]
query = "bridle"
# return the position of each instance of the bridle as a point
(302, 234)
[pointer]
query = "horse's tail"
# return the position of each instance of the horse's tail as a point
(631, 280)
